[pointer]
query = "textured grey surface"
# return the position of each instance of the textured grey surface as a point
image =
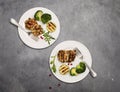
(95, 23)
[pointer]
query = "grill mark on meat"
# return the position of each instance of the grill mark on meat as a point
(66, 55)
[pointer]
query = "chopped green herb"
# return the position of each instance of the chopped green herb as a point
(53, 56)
(53, 62)
(48, 37)
(54, 68)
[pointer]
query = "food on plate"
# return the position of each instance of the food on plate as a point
(38, 15)
(66, 55)
(73, 71)
(45, 18)
(48, 37)
(33, 26)
(53, 59)
(54, 68)
(53, 64)
(51, 27)
(81, 67)
(63, 69)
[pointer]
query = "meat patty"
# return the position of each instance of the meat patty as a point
(66, 55)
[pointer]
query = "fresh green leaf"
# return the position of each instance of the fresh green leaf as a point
(47, 37)
(53, 62)
(52, 56)
(54, 68)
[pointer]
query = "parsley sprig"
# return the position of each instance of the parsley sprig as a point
(53, 63)
(48, 37)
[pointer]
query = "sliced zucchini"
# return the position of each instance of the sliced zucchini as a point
(51, 27)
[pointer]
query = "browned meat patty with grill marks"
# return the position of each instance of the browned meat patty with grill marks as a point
(66, 55)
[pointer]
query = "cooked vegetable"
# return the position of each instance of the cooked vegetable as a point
(80, 68)
(51, 27)
(38, 15)
(73, 71)
(63, 69)
(82, 64)
(45, 18)
(47, 37)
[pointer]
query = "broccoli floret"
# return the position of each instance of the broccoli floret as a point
(45, 18)
(73, 71)
(38, 15)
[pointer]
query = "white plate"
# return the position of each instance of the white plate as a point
(40, 43)
(86, 57)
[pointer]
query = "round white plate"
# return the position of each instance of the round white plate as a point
(86, 57)
(40, 43)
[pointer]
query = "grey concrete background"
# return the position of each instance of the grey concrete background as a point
(95, 23)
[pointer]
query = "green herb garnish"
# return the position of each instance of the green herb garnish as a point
(52, 61)
(48, 37)
(53, 64)
(54, 68)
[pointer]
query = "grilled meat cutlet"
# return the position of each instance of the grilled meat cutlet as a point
(72, 54)
(61, 56)
(66, 55)
(33, 26)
